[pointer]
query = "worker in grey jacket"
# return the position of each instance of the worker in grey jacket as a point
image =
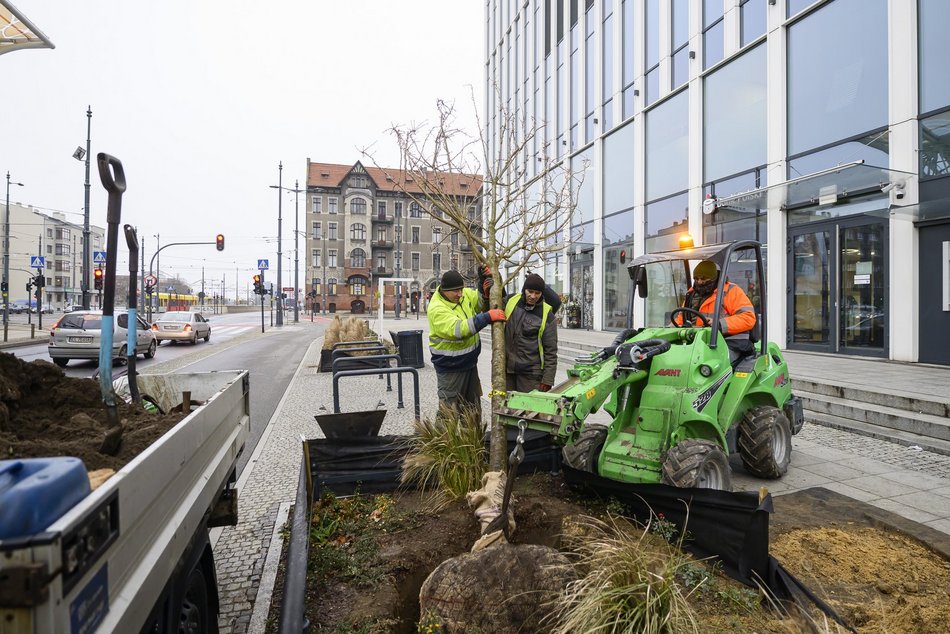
(531, 336)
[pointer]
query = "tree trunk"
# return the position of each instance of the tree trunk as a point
(498, 450)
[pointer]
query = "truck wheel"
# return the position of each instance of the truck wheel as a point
(193, 618)
(582, 454)
(61, 362)
(697, 463)
(765, 442)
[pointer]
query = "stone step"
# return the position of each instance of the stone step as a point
(928, 425)
(881, 433)
(892, 398)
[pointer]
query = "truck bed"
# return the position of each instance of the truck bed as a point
(104, 564)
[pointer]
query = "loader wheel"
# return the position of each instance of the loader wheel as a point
(765, 442)
(697, 463)
(582, 455)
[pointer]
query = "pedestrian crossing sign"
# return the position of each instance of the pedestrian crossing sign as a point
(263, 265)
(37, 262)
(99, 257)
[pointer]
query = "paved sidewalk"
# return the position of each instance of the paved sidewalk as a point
(913, 484)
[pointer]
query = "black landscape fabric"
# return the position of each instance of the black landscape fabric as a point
(365, 464)
(731, 526)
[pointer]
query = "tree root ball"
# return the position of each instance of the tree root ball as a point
(503, 589)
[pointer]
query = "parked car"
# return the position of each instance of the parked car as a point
(72, 308)
(77, 335)
(182, 325)
(18, 309)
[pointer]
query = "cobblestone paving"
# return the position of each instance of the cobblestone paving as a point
(892, 453)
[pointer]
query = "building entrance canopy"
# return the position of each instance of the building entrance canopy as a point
(17, 32)
(826, 187)
(923, 212)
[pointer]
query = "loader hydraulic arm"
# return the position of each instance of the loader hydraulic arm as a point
(563, 410)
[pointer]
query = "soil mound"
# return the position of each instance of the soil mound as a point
(45, 413)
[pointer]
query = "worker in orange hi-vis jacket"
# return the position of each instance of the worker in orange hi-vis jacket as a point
(738, 313)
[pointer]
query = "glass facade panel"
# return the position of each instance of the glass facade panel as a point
(583, 234)
(618, 170)
(608, 65)
(797, 6)
(666, 221)
(653, 85)
(735, 116)
(629, 102)
(811, 281)
(616, 286)
(935, 145)
(934, 17)
(582, 167)
(618, 228)
(653, 32)
(753, 20)
(680, 67)
(712, 11)
(667, 128)
(680, 21)
(713, 44)
(629, 49)
(837, 73)
(873, 150)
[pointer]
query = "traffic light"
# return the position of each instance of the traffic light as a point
(258, 287)
(4, 287)
(623, 255)
(40, 281)
(97, 274)
(219, 242)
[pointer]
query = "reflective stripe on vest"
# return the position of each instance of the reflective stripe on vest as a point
(545, 311)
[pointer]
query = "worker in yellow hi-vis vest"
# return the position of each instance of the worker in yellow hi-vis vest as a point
(530, 335)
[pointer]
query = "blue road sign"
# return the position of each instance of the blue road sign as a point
(37, 262)
(262, 265)
(99, 257)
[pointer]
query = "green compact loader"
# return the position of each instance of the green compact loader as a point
(681, 398)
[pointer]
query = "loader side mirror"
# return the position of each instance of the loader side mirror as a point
(639, 275)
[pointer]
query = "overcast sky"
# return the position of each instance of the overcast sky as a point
(200, 100)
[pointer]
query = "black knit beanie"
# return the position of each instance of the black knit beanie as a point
(533, 282)
(451, 281)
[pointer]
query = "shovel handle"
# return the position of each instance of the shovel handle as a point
(113, 180)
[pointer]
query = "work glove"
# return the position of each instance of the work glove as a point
(486, 287)
(483, 319)
(544, 387)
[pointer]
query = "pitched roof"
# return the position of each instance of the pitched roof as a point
(394, 180)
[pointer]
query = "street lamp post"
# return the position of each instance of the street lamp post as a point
(323, 286)
(6, 259)
(296, 190)
(280, 219)
(296, 251)
(79, 154)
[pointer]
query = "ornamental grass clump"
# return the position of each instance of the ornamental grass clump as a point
(627, 582)
(446, 455)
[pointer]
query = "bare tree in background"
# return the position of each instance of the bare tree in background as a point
(522, 213)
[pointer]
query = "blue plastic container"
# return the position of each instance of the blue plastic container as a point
(35, 492)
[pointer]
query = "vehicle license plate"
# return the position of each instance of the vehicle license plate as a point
(80, 340)
(169, 327)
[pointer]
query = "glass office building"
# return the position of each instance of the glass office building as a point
(820, 128)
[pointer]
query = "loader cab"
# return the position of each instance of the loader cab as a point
(663, 280)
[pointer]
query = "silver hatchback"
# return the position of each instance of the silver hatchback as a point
(77, 336)
(182, 325)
